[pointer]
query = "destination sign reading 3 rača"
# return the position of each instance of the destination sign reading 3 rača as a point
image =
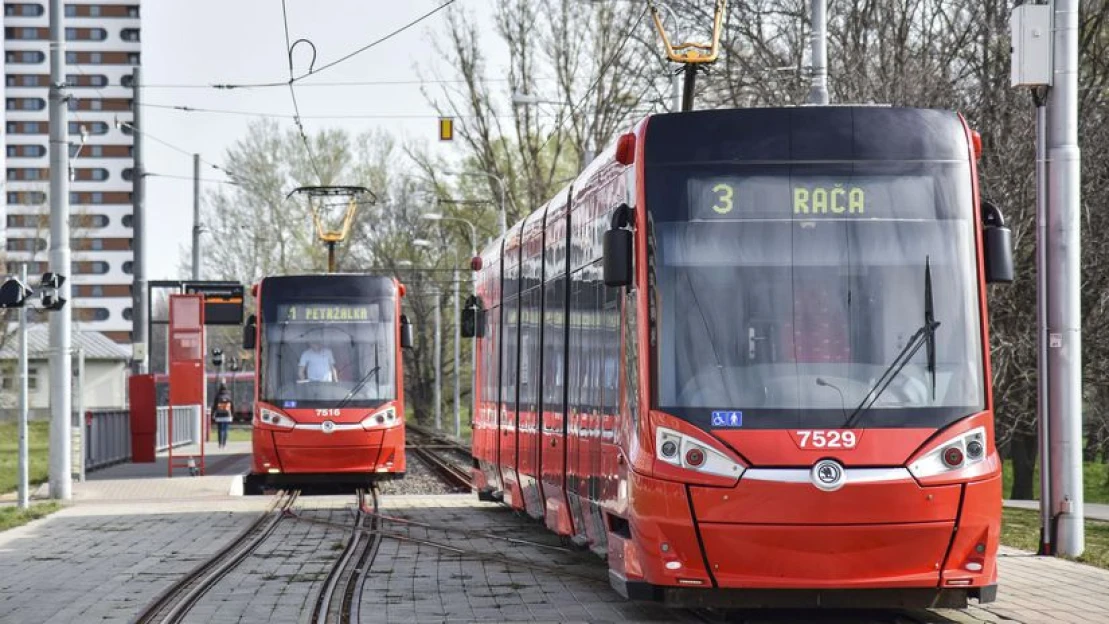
(776, 197)
(328, 313)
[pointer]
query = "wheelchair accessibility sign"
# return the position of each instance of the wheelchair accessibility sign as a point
(727, 419)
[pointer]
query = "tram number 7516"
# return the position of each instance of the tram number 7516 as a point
(821, 439)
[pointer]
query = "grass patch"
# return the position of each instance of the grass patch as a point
(1020, 528)
(12, 516)
(1095, 481)
(238, 434)
(38, 440)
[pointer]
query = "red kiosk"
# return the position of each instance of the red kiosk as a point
(186, 369)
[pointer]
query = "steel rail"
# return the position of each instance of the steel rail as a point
(428, 447)
(469, 552)
(175, 602)
(340, 597)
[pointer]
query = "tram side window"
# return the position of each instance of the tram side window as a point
(527, 344)
(574, 374)
(591, 346)
(510, 355)
(611, 340)
(489, 375)
(554, 343)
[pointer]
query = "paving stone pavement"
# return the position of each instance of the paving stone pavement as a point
(279, 582)
(1046, 590)
(130, 533)
(103, 563)
(491, 579)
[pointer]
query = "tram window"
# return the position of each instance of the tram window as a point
(554, 344)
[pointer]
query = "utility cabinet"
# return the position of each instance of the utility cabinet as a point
(1032, 45)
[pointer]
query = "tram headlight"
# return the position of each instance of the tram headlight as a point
(687, 452)
(964, 450)
(275, 419)
(381, 420)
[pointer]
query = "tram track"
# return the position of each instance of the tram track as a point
(433, 451)
(471, 553)
(340, 598)
(175, 602)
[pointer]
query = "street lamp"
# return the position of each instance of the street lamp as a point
(434, 216)
(438, 355)
(503, 217)
(526, 99)
(475, 265)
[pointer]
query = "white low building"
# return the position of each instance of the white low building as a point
(104, 384)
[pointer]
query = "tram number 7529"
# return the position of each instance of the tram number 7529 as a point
(821, 439)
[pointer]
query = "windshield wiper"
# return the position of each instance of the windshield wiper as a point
(926, 335)
(357, 387)
(361, 382)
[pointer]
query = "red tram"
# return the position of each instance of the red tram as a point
(745, 357)
(329, 405)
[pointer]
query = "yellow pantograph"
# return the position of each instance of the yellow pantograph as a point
(692, 52)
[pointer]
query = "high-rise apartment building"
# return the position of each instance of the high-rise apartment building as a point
(102, 48)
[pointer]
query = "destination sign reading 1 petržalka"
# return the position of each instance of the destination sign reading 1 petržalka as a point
(805, 197)
(328, 313)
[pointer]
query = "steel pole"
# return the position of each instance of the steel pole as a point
(473, 343)
(503, 217)
(818, 93)
(24, 458)
(61, 366)
(196, 217)
(140, 297)
(438, 365)
(675, 92)
(79, 378)
(1042, 403)
(1064, 301)
(690, 76)
(457, 355)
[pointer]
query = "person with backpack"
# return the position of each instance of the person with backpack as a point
(222, 411)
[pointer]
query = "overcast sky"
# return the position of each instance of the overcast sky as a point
(220, 41)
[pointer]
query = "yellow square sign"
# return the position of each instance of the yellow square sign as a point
(446, 129)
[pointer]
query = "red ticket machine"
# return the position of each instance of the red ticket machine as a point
(186, 369)
(144, 418)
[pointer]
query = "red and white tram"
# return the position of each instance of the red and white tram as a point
(744, 356)
(329, 408)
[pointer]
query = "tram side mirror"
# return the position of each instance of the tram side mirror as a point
(473, 320)
(998, 245)
(618, 249)
(405, 333)
(249, 332)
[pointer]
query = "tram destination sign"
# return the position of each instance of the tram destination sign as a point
(327, 312)
(223, 302)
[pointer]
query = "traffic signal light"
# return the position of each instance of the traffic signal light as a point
(51, 283)
(14, 293)
(217, 357)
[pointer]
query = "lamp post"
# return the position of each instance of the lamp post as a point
(458, 320)
(526, 99)
(419, 242)
(503, 216)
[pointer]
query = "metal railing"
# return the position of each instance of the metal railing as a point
(107, 438)
(108, 433)
(187, 426)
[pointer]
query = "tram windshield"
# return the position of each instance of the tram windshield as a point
(330, 354)
(786, 292)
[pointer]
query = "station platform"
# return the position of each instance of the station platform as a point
(130, 532)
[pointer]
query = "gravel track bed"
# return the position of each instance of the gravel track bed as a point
(418, 479)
